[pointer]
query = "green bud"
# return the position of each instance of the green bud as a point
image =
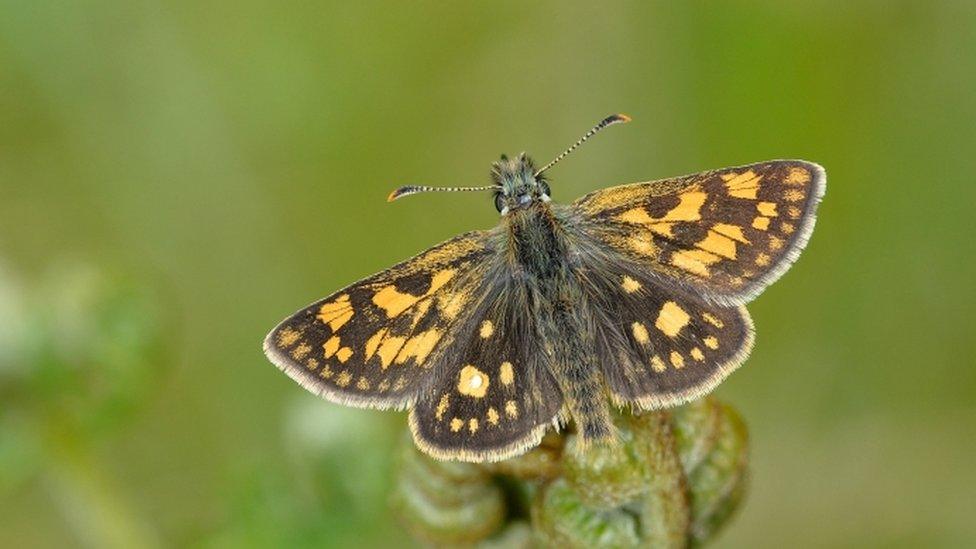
(671, 480)
(447, 503)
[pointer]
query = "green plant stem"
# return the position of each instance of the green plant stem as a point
(667, 516)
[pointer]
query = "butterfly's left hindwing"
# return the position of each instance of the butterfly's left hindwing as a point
(372, 343)
(494, 396)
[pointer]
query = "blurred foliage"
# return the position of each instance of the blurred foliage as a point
(322, 491)
(82, 355)
(178, 176)
(89, 350)
(674, 479)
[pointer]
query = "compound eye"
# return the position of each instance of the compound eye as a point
(544, 187)
(499, 202)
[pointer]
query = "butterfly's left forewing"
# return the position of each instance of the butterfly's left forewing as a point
(373, 343)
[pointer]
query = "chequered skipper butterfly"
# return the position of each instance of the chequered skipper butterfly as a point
(632, 295)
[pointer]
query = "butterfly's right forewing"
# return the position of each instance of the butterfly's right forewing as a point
(724, 234)
(670, 264)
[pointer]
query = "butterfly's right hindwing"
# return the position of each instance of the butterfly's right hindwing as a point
(372, 343)
(659, 346)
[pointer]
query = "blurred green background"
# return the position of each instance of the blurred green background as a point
(177, 177)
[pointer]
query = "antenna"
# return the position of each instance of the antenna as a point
(608, 121)
(414, 189)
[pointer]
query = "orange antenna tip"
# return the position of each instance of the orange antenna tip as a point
(606, 122)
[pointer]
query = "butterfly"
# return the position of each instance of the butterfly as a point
(631, 296)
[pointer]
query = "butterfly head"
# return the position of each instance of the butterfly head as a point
(518, 184)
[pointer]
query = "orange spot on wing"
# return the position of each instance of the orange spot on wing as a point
(671, 319)
(663, 229)
(767, 209)
(373, 342)
(344, 354)
(393, 301)
(472, 382)
(389, 349)
(442, 406)
(732, 231)
(797, 176)
(419, 346)
(487, 328)
(511, 409)
(287, 337)
(637, 216)
(718, 244)
(451, 304)
(713, 320)
(300, 351)
(507, 373)
(793, 195)
(630, 285)
(688, 209)
(331, 346)
(336, 313)
(744, 185)
(640, 333)
(642, 245)
(694, 261)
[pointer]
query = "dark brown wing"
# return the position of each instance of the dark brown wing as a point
(494, 397)
(660, 346)
(447, 334)
(724, 234)
(372, 344)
